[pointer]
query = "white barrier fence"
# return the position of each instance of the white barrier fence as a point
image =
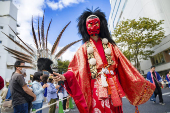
(46, 106)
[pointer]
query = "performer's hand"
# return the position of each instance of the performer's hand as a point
(58, 77)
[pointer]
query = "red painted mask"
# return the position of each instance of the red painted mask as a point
(93, 26)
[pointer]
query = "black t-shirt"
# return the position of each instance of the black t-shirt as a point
(16, 83)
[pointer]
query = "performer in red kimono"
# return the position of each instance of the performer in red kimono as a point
(99, 75)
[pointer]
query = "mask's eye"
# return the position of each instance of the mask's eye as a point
(89, 25)
(97, 24)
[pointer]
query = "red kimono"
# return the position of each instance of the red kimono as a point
(87, 93)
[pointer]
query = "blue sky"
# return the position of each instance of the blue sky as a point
(61, 12)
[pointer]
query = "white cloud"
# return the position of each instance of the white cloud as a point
(27, 9)
(62, 3)
(68, 55)
(35, 8)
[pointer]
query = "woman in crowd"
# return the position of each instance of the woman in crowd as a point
(52, 94)
(38, 91)
(44, 81)
(62, 93)
(65, 100)
(168, 78)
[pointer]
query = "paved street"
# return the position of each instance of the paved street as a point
(148, 107)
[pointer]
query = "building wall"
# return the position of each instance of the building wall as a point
(8, 16)
(163, 46)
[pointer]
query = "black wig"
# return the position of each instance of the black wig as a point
(104, 32)
(44, 64)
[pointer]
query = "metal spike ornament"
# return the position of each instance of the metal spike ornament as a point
(42, 58)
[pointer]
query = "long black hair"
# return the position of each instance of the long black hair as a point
(104, 32)
(37, 76)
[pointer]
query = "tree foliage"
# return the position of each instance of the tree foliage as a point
(137, 37)
(62, 66)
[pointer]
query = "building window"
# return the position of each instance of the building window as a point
(158, 59)
(9, 67)
(11, 36)
(1, 27)
(0, 42)
(116, 14)
(167, 55)
(113, 8)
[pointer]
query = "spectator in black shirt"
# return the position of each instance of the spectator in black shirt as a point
(19, 89)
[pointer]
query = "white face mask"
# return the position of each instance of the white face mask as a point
(23, 71)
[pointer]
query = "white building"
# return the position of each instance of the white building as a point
(154, 9)
(8, 16)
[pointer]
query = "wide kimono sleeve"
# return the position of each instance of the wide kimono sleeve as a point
(78, 81)
(137, 89)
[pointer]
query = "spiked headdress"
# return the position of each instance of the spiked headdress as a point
(43, 55)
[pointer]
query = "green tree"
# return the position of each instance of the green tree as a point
(62, 66)
(138, 37)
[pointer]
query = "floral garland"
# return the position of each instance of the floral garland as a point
(92, 60)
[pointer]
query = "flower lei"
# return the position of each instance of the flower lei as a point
(92, 60)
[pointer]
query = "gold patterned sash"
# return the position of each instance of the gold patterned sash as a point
(93, 68)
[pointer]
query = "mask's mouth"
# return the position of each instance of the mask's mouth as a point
(93, 31)
(94, 34)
